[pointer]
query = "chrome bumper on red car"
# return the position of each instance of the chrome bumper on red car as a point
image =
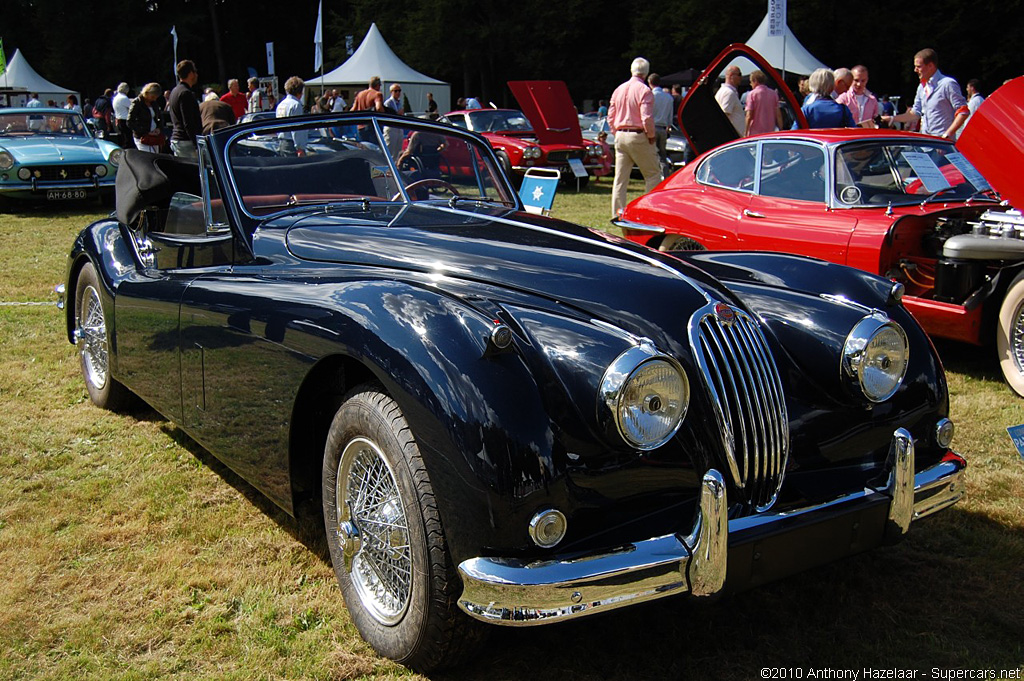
(518, 593)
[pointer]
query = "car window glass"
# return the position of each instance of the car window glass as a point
(217, 215)
(877, 173)
(732, 168)
(304, 164)
(64, 125)
(316, 165)
(792, 171)
(457, 120)
(490, 120)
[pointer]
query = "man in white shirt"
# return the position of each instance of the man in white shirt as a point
(292, 143)
(728, 97)
(339, 102)
(33, 100)
(393, 136)
(255, 96)
(121, 104)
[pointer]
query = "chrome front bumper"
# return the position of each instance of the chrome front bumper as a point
(519, 593)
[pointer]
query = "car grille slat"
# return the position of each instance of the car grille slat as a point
(71, 173)
(749, 404)
(564, 156)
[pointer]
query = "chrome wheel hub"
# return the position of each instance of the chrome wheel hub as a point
(373, 531)
(1017, 339)
(91, 338)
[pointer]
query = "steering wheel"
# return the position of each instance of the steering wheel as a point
(425, 182)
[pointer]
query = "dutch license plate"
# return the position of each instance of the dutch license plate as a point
(64, 194)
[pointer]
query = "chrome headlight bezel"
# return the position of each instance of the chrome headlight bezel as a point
(616, 390)
(6, 159)
(876, 377)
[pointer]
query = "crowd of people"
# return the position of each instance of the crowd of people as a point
(171, 120)
(840, 98)
(640, 111)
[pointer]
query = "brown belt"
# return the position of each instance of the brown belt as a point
(630, 130)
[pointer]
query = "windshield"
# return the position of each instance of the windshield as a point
(278, 167)
(51, 124)
(883, 172)
(490, 120)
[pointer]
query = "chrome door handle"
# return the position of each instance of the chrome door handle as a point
(752, 214)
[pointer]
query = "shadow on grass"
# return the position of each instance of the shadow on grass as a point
(949, 596)
(978, 362)
(306, 527)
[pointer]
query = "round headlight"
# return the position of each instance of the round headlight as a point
(647, 394)
(115, 157)
(532, 152)
(875, 357)
(6, 160)
(944, 433)
(24, 174)
(100, 171)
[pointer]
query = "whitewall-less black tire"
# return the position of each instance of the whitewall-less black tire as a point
(386, 538)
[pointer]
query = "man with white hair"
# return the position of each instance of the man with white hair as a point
(631, 117)
(122, 102)
(844, 79)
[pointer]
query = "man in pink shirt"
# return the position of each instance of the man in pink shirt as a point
(863, 105)
(763, 113)
(631, 117)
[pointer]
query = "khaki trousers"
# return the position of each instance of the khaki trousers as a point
(633, 148)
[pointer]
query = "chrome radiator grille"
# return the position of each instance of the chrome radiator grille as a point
(746, 393)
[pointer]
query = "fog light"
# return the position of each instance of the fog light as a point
(547, 528)
(24, 173)
(944, 432)
(101, 171)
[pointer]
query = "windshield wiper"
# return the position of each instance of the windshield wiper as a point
(452, 202)
(934, 194)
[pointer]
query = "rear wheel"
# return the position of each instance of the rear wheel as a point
(92, 340)
(386, 539)
(1010, 336)
(680, 243)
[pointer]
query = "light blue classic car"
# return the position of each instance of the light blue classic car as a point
(51, 154)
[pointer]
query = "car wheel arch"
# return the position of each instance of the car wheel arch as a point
(451, 425)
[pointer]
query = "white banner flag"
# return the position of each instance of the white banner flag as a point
(318, 39)
(270, 58)
(776, 17)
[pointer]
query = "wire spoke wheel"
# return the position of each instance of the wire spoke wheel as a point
(368, 499)
(91, 335)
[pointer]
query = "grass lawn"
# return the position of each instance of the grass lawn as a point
(128, 552)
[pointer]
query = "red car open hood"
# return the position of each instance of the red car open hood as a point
(993, 140)
(701, 118)
(549, 107)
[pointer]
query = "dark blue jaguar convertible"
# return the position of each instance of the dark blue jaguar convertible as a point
(509, 419)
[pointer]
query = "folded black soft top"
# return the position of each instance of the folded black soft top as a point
(145, 179)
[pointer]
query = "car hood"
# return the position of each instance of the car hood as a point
(43, 149)
(611, 279)
(701, 118)
(548, 106)
(993, 140)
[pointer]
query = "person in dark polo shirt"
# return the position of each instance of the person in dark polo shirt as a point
(184, 109)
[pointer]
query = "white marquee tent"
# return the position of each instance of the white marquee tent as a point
(784, 52)
(375, 58)
(20, 75)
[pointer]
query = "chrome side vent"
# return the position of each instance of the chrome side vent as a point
(746, 393)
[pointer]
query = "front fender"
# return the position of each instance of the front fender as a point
(103, 243)
(476, 411)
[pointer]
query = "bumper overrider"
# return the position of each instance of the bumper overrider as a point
(520, 593)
